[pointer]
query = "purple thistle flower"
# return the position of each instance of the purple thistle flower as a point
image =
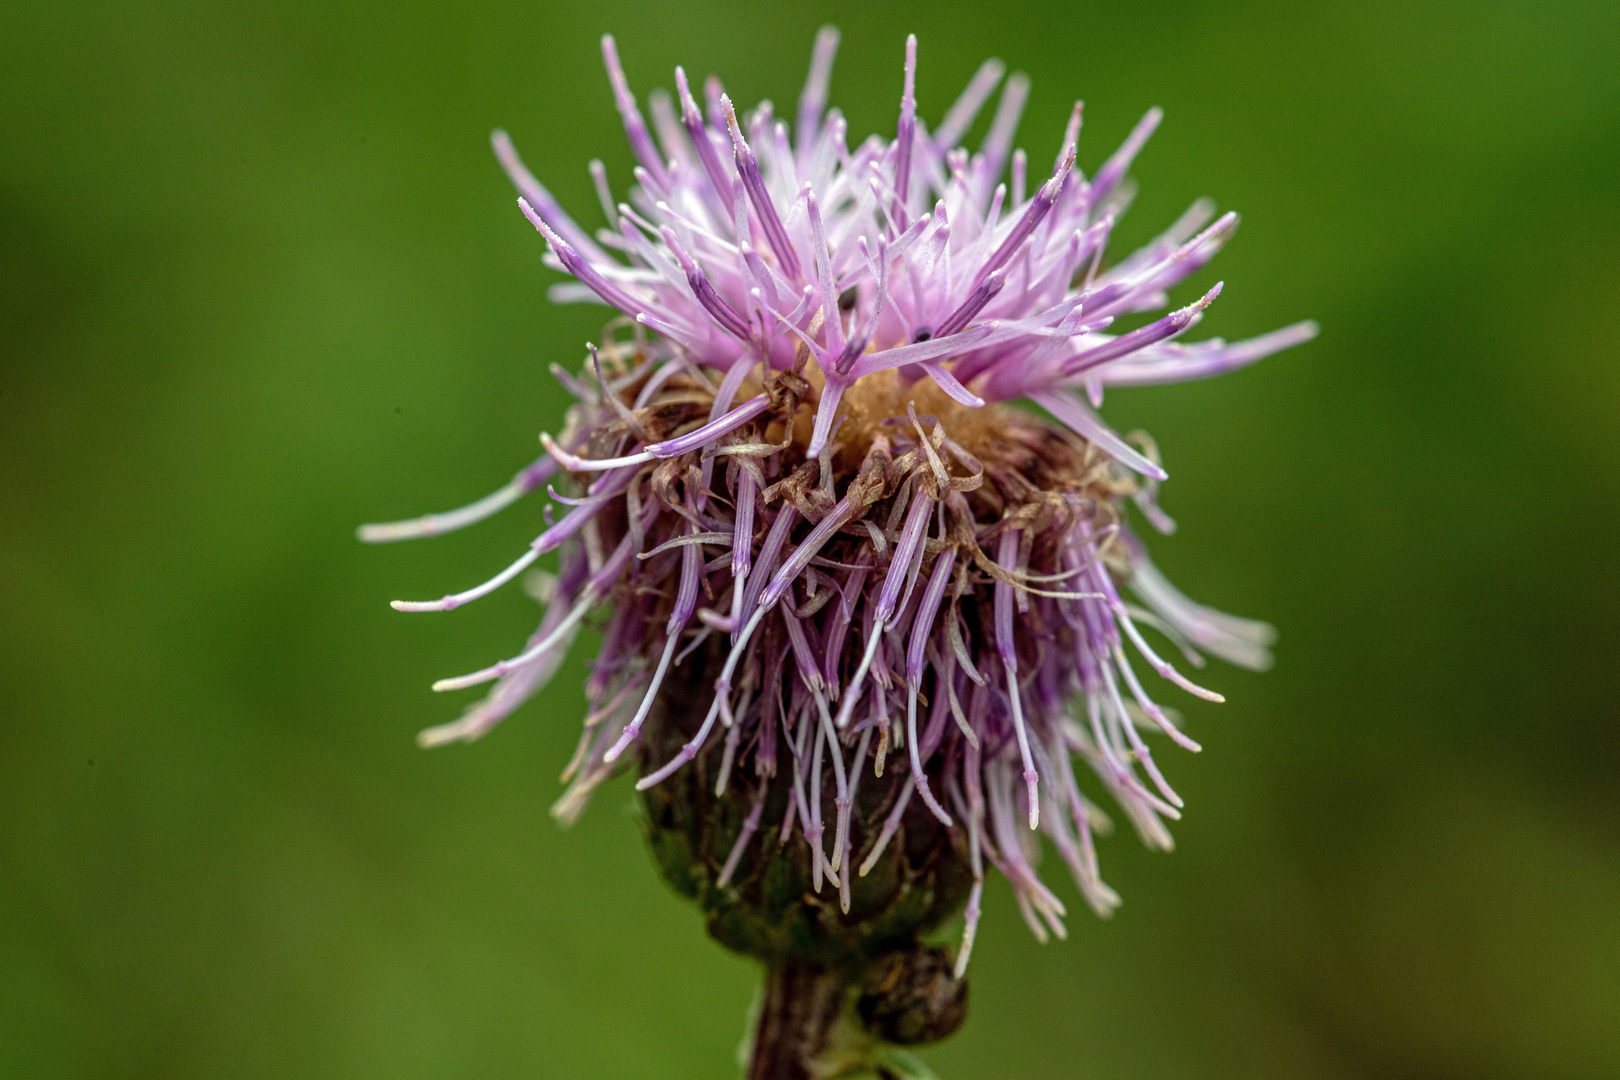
(804, 493)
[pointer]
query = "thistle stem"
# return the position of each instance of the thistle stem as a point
(797, 1035)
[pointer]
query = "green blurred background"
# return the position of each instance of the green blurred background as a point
(260, 280)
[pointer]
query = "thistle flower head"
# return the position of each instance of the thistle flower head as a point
(856, 601)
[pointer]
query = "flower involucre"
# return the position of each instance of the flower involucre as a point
(841, 572)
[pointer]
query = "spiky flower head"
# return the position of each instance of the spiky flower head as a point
(857, 600)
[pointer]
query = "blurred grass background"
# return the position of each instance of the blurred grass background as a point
(260, 280)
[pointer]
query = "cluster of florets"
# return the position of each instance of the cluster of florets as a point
(793, 453)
